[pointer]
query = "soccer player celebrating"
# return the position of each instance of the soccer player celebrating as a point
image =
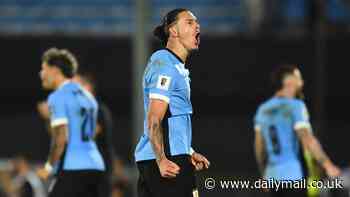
(164, 156)
(73, 157)
(281, 125)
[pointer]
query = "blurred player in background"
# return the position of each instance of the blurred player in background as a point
(281, 125)
(74, 157)
(27, 183)
(164, 156)
(104, 128)
(7, 187)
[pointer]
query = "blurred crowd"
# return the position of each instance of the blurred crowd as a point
(297, 16)
(277, 15)
(18, 178)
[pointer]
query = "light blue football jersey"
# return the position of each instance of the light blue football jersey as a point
(167, 79)
(70, 104)
(277, 119)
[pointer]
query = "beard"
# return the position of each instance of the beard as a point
(48, 84)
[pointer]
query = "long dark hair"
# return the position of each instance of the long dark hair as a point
(162, 30)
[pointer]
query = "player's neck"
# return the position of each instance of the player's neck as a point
(285, 94)
(178, 49)
(60, 81)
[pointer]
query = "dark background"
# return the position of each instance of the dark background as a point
(230, 77)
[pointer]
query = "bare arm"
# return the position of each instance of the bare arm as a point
(155, 116)
(58, 142)
(99, 130)
(260, 153)
(309, 142)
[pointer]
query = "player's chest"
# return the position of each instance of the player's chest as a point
(182, 87)
(183, 83)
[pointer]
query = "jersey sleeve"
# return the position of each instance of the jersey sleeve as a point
(161, 83)
(257, 121)
(301, 116)
(58, 113)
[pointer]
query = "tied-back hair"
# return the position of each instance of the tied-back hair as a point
(279, 75)
(63, 59)
(162, 30)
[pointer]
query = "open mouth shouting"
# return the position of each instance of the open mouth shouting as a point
(197, 39)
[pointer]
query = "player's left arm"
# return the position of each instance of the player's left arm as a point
(304, 132)
(99, 130)
(199, 161)
(102, 114)
(44, 112)
(260, 152)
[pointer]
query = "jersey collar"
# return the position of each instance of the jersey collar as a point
(63, 84)
(176, 56)
(180, 66)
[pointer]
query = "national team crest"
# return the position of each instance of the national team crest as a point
(163, 82)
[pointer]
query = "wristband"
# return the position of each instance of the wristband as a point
(192, 151)
(48, 167)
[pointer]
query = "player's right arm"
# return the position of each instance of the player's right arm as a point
(259, 144)
(157, 110)
(260, 152)
(160, 82)
(58, 143)
(308, 140)
(59, 133)
(58, 122)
